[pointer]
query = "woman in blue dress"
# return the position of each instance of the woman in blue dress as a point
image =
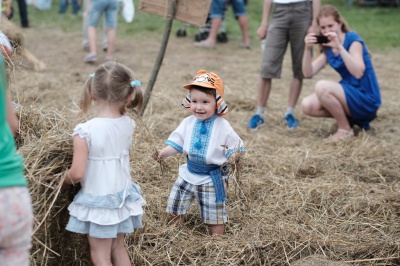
(354, 99)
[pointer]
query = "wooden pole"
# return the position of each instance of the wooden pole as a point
(160, 57)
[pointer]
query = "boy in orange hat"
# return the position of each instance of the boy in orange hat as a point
(209, 141)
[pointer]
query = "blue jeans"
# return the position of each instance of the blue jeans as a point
(63, 5)
(109, 8)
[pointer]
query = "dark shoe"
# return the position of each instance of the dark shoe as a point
(222, 37)
(201, 36)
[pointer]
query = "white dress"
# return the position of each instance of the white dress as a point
(109, 202)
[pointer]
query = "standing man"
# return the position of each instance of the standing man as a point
(291, 21)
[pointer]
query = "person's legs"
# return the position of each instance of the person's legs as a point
(301, 13)
(119, 255)
(239, 10)
(264, 89)
(244, 27)
(96, 9)
(104, 36)
(62, 6)
(217, 229)
(92, 39)
(212, 213)
(216, 14)
(100, 251)
(111, 36)
(271, 65)
(23, 13)
(295, 89)
(179, 201)
(16, 226)
(75, 6)
(329, 100)
(294, 92)
(333, 99)
(85, 24)
(111, 16)
(212, 35)
(311, 106)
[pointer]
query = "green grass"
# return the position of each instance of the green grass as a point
(377, 25)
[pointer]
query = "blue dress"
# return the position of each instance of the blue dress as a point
(362, 95)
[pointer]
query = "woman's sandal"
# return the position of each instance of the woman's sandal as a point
(341, 134)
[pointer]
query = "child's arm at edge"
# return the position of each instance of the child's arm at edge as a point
(166, 152)
(79, 162)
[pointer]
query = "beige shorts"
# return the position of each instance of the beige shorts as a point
(15, 226)
(289, 24)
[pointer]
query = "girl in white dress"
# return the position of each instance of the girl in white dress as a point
(109, 204)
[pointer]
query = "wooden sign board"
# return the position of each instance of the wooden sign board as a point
(193, 12)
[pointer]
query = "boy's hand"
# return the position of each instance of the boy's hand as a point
(236, 161)
(156, 155)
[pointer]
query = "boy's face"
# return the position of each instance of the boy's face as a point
(203, 106)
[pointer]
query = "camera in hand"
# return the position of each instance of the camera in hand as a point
(322, 39)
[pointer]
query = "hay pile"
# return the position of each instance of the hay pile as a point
(339, 201)
(299, 201)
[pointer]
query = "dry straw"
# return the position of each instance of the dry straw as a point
(337, 201)
(297, 200)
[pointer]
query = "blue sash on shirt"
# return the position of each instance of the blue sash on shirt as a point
(216, 176)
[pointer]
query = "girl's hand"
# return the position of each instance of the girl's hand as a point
(334, 41)
(310, 40)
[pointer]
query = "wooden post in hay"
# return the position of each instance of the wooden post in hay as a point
(160, 56)
(191, 12)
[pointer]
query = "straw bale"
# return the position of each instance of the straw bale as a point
(281, 217)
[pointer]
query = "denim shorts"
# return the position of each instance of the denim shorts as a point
(183, 194)
(109, 8)
(218, 8)
(238, 8)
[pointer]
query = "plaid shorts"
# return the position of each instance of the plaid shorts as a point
(182, 195)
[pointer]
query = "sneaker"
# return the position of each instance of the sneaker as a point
(291, 122)
(255, 122)
(90, 58)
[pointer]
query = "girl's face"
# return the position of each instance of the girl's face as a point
(329, 24)
(203, 106)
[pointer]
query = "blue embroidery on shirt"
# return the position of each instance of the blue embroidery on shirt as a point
(200, 139)
(242, 149)
(174, 145)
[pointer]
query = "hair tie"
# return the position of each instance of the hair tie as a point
(91, 75)
(135, 83)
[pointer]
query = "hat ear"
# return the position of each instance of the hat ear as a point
(200, 72)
